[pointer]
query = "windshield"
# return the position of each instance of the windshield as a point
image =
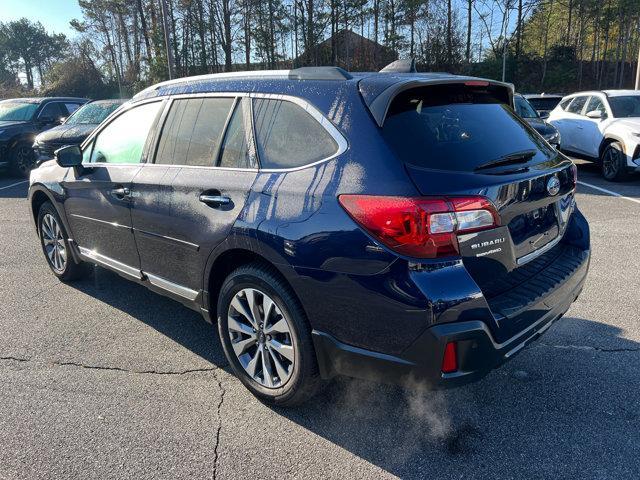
(625, 106)
(523, 108)
(452, 127)
(548, 103)
(92, 113)
(17, 111)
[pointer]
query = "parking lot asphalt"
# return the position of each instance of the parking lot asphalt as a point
(105, 379)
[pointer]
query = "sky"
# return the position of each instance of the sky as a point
(53, 14)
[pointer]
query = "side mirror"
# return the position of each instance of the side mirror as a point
(69, 156)
(595, 114)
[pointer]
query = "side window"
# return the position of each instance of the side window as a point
(595, 103)
(193, 130)
(52, 110)
(288, 136)
(236, 150)
(71, 107)
(122, 140)
(565, 103)
(576, 105)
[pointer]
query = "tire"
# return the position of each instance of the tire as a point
(55, 246)
(294, 376)
(614, 163)
(22, 159)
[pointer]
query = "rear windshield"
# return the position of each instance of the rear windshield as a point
(544, 103)
(454, 127)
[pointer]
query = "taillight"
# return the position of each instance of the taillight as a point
(421, 227)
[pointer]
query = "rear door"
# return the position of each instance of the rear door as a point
(98, 196)
(187, 201)
(575, 123)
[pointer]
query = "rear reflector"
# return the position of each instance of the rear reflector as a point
(421, 227)
(450, 358)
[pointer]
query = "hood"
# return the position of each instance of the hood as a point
(540, 126)
(632, 123)
(9, 124)
(67, 134)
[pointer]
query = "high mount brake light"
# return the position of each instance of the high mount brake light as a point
(422, 227)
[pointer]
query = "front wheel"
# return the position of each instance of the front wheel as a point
(55, 245)
(266, 336)
(614, 163)
(22, 159)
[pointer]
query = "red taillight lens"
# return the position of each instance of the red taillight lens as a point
(450, 358)
(420, 227)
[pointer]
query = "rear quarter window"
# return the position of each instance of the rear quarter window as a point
(288, 136)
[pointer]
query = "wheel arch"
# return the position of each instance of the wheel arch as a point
(226, 262)
(608, 140)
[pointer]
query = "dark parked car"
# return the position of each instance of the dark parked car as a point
(530, 115)
(74, 129)
(21, 119)
(393, 226)
(544, 102)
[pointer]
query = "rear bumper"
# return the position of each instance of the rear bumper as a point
(478, 350)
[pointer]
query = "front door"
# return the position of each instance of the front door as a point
(98, 196)
(186, 203)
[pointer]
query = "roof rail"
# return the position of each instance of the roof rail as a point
(319, 73)
(401, 66)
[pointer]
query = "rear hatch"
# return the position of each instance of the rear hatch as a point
(465, 139)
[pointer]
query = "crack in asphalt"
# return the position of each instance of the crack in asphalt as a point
(589, 347)
(118, 369)
(218, 430)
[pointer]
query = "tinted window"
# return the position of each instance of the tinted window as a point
(192, 131)
(547, 103)
(236, 151)
(52, 110)
(17, 111)
(625, 106)
(451, 127)
(595, 103)
(523, 108)
(288, 136)
(123, 139)
(577, 104)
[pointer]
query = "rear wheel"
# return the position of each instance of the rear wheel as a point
(614, 163)
(266, 336)
(23, 159)
(55, 245)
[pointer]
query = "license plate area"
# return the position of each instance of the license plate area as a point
(533, 231)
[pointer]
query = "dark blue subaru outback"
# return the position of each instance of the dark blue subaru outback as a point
(389, 226)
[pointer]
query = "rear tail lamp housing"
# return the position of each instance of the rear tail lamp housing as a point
(422, 227)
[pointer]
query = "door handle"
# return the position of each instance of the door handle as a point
(215, 200)
(121, 192)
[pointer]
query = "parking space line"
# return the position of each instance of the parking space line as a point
(14, 184)
(610, 192)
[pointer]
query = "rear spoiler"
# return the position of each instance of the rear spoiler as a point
(378, 103)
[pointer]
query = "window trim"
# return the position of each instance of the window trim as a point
(605, 103)
(144, 159)
(46, 104)
(306, 105)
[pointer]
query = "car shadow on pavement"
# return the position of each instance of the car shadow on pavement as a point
(544, 414)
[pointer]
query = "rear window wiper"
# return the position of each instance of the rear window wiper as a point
(513, 158)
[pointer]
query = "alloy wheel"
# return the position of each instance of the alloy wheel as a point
(610, 162)
(53, 242)
(25, 159)
(261, 337)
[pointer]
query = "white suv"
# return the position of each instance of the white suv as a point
(603, 126)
